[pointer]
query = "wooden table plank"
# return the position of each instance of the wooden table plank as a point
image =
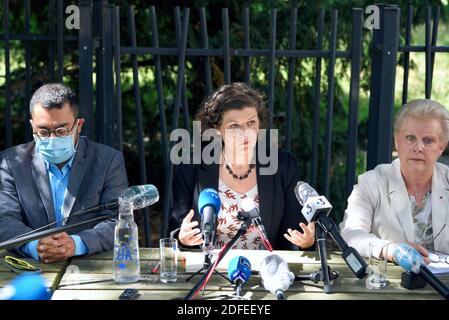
(51, 272)
(91, 278)
(153, 254)
(151, 282)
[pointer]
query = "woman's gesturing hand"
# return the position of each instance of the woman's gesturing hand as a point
(304, 239)
(189, 235)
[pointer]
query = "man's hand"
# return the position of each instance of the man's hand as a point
(56, 248)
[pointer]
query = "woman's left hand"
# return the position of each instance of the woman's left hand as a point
(304, 239)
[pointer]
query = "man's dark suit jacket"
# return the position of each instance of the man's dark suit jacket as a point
(98, 176)
(278, 206)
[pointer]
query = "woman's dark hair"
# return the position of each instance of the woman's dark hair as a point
(233, 96)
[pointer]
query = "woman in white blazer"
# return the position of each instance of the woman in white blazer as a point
(406, 201)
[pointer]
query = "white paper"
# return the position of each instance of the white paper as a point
(195, 260)
(439, 267)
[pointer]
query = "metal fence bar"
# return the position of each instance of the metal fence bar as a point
(226, 47)
(28, 74)
(271, 65)
(291, 78)
(38, 37)
(383, 72)
(108, 83)
(118, 84)
(185, 105)
(423, 49)
(330, 102)
(105, 112)
(52, 31)
(428, 53)
(243, 52)
(246, 45)
(354, 90)
(99, 69)
(85, 71)
(408, 33)
(178, 96)
(205, 44)
(436, 19)
(60, 35)
(160, 90)
(316, 103)
(139, 124)
(7, 109)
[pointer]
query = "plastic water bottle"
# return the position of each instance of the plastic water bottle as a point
(126, 263)
(141, 196)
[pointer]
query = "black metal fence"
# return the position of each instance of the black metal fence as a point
(246, 53)
(101, 53)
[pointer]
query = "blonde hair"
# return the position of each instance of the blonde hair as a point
(424, 109)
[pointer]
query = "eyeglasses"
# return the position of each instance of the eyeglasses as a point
(18, 265)
(44, 133)
(444, 226)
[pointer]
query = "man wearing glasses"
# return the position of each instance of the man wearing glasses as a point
(42, 182)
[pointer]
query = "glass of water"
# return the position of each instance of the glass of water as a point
(168, 249)
(377, 269)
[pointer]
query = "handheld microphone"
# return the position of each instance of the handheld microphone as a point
(239, 272)
(27, 286)
(317, 208)
(276, 276)
(247, 205)
(410, 259)
(313, 205)
(208, 206)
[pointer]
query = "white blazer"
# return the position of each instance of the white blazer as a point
(379, 208)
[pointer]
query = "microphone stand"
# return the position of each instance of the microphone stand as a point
(325, 274)
(243, 228)
(207, 264)
(18, 241)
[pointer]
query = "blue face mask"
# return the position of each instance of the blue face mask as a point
(55, 149)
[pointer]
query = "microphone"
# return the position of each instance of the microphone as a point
(317, 208)
(312, 203)
(276, 277)
(27, 286)
(247, 205)
(410, 259)
(208, 206)
(239, 272)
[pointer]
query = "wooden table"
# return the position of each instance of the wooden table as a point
(90, 278)
(51, 272)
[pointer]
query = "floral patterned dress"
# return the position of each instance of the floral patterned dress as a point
(227, 222)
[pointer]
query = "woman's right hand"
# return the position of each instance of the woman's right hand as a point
(423, 251)
(188, 234)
